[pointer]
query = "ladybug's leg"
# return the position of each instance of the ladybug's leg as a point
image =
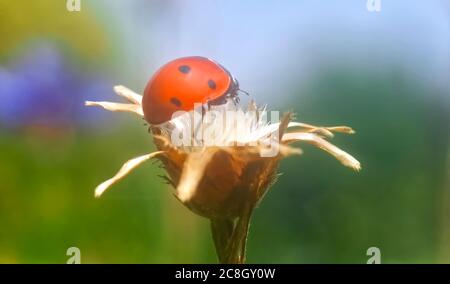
(245, 93)
(234, 98)
(149, 127)
(208, 105)
(204, 109)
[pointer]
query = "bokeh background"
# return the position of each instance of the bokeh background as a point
(384, 73)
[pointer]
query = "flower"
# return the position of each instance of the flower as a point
(224, 175)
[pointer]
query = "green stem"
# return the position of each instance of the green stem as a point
(230, 237)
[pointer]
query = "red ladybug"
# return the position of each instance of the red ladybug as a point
(183, 82)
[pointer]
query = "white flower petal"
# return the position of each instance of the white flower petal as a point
(124, 170)
(326, 131)
(193, 170)
(128, 94)
(134, 108)
(345, 158)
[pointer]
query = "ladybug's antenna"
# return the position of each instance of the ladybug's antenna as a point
(242, 91)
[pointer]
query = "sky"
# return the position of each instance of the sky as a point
(268, 45)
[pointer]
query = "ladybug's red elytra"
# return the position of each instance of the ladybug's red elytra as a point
(183, 82)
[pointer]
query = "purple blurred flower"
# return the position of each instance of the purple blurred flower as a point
(41, 88)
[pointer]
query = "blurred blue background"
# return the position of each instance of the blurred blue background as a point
(384, 73)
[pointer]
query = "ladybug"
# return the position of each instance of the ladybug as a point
(186, 81)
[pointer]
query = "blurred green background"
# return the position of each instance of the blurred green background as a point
(386, 74)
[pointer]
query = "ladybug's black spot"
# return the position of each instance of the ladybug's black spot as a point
(211, 84)
(184, 69)
(175, 101)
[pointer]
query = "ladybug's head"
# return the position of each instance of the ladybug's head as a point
(233, 90)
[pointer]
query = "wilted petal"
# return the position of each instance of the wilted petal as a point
(128, 94)
(126, 169)
(134, 108)
(286, 150)
(264, 132)
(345, 158)
(193, 170)
(342, 129)
(326, 131)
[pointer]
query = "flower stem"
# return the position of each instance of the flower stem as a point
(230, 237)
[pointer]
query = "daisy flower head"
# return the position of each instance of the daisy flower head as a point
(222, 158)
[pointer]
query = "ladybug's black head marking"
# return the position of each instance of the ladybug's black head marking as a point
(175, 101)
(211, 84)
(184, 69)
(233, 88)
